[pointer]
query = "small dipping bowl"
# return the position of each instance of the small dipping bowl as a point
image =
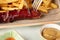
(55, 26)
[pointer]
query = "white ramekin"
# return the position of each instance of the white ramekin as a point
(48, 26)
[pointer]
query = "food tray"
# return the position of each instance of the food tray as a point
(52, 17)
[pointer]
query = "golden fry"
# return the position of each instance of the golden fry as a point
(43, 9)
(47, 2)
(20, 6)
(48, 8)
(3, 5)
(7, 1)
(15, 4)
(57, 38)
(53, 5)
(2, 11)
(9, 8)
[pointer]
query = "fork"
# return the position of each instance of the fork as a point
(36, 4)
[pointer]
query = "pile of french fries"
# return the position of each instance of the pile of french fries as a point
(47, 5)
(18, 4)
(11, 5)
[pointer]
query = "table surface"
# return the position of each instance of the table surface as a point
(28, 33)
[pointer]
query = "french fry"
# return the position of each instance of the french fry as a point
(43, 9)
(4, 5)
(9, 8)
(15, 4)
(20, 6)
(7, 1)
(47, 2)
(48, 8)
(53, 5)
(2, 11)
(20, 1)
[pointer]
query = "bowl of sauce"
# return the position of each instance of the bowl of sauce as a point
(50, 32)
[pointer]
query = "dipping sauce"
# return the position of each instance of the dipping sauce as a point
(51, 34)
(10, 38)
